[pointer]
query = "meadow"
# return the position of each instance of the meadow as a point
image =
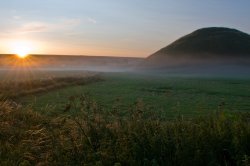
(124, 119)
(168, 96)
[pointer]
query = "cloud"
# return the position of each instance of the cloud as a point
(34, 27)
(25, 28)
(91, 20)
(47, 26)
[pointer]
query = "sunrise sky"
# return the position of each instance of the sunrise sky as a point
(110, 27)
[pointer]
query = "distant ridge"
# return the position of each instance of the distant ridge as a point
(214, 40)
(204, 46)
(70, 62)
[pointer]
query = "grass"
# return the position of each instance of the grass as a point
(125, 119)
(91, 135)
(173, 95)
(29, 74)
(14, 89)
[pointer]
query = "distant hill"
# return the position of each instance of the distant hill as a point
(220, 41)
(204, 47)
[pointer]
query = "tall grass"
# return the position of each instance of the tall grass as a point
(90, 135)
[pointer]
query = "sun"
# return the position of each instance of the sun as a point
(22, 54)
(21, 48)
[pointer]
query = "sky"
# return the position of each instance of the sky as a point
(130, 28)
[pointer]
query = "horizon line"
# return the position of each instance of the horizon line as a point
(74, 55)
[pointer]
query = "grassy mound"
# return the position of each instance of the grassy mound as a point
(212, 41)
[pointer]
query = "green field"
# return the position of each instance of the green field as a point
(168, 96)
(30, 74)
(124, 119)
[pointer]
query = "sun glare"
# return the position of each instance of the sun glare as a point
(22, 54)
(21, 48)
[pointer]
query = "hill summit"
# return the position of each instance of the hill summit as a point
(214, 40)
(204, 47)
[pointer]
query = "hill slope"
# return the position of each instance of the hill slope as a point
(204, 46)
(213, 41)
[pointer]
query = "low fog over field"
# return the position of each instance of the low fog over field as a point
(57, 62)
